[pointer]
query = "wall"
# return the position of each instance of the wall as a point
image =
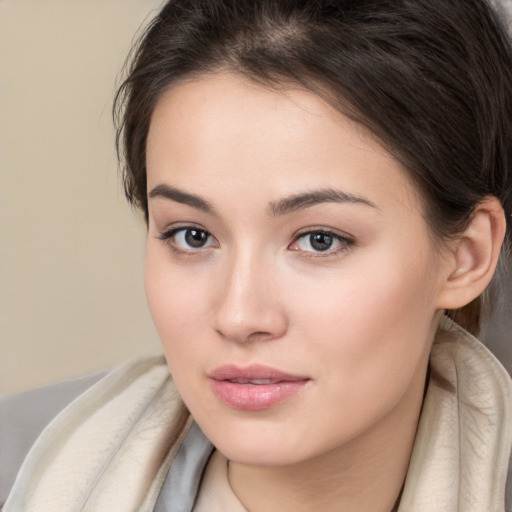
(71, 250)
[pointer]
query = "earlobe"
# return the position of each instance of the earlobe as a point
(475, 255)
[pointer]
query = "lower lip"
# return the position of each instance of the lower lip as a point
(255, 397)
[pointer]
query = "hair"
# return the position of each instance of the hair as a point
(431, 79)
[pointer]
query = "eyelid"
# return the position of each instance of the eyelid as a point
(346, 241)
(178, 226)
(167, 235)
(323, 229)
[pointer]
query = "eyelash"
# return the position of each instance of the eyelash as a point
(345, 242)
(167, 237)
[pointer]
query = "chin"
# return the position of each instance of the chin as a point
(258, 455)
(260, 441)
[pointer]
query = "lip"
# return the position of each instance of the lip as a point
(255, 387)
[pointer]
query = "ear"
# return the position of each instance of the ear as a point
(473, 256)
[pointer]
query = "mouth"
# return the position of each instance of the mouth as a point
(255, 382)
(254, 388)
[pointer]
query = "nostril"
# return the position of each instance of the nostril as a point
(246, 337)
(259, 336)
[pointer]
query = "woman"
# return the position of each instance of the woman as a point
(321, 181)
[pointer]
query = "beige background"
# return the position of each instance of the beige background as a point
(71, 250)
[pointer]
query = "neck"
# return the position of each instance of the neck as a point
(364, 475)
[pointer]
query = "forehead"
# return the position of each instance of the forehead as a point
(225, 128)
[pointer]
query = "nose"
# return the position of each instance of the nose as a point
(249, 305)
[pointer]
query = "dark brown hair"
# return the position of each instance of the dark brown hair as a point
(432, 79)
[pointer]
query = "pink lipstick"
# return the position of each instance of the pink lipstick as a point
(255, 387)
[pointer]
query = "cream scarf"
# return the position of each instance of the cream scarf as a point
(111, 449)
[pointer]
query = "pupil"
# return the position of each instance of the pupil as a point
(321, 241)
(195, 237)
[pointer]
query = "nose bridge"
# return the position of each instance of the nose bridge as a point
(249, 305)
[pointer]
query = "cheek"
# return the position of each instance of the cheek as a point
(176, 307)
(371, 329)
(177, 300)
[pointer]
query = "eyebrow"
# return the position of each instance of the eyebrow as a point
(174, 194)
(282, 207)
(315, 197)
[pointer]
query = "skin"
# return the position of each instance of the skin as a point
(357, 320)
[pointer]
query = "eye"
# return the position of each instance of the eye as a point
(321, 241)
(188, 239)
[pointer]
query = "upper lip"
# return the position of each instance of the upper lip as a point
(253, 372)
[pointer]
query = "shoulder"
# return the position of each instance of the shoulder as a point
(126, 428)
(24, 415)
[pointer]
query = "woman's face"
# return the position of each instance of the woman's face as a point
(289, 270)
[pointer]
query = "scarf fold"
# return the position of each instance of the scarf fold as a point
(111, 449)
(462, 448)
